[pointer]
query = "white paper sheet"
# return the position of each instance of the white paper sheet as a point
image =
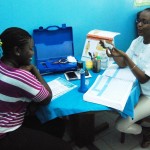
(60, 86)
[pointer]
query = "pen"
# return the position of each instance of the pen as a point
(94, 56)
(90, 55)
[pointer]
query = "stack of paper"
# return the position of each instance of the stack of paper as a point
(111, 89)
(60, 86)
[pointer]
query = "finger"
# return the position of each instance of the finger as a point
(108, 52)
(116, 50)
(101, 43)
(114, 53)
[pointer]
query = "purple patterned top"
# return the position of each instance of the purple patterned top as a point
(17, 88)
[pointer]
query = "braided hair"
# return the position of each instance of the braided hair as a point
(12, 37)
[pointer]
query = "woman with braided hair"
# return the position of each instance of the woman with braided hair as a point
(20, 85)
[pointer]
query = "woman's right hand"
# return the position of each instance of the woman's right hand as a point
(115, 53)
(118, 56)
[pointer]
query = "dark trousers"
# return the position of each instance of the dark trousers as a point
(55, 127)
(39, 138)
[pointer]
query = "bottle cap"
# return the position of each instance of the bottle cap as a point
(98, 57)
(79, 65)
(82, 71)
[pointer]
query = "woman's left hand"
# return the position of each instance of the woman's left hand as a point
(114, 53)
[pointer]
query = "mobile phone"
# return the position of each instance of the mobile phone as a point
(70, 75)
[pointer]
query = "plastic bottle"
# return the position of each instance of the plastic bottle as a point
(83, 87)
(104, 61)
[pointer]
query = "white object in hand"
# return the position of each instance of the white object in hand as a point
(107, 45)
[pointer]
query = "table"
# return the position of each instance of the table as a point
(72, 103)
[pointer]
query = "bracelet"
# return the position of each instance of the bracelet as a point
(133, 67)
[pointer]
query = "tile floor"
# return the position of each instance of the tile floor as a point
(109, 139)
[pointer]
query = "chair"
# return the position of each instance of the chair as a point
(145, 120)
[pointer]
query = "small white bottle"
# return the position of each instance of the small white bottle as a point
(104, 61)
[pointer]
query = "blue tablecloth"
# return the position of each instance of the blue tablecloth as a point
(73, 103)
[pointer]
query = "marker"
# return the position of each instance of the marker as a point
(90, 55)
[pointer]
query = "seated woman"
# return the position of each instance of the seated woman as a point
(137, 58)
(21, 84)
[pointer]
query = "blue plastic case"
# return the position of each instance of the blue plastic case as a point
(52, 46)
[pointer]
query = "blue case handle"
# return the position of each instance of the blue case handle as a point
(55, 27)
(51, 28)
